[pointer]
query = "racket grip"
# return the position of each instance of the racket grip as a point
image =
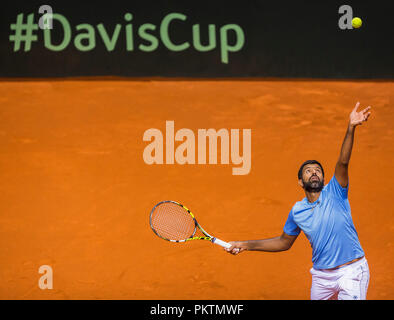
(221, 243)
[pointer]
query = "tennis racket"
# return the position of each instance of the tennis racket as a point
(174, 222)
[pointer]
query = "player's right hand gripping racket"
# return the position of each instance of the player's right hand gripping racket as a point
(174, 222)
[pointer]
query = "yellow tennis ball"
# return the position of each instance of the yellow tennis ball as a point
(356, 22)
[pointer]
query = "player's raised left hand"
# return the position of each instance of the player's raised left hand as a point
(358, 117)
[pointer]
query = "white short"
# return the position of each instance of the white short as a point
(349, 282)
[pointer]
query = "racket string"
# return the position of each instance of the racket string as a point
(172, 222)
(173, 226)
(179, 225)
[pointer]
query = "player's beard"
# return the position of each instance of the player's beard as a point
(313, 186)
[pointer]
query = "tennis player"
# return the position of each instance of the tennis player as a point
(340, 269)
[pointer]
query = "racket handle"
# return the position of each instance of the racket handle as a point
(221, 243)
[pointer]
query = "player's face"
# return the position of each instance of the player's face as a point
(312, 178)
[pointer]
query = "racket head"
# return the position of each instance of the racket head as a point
(172, 221)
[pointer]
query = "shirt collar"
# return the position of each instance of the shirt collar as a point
(306, 202)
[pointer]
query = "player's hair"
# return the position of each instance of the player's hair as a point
(309, 162)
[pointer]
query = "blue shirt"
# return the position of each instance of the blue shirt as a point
(328, 225)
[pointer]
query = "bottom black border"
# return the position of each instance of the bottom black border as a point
(191, 309)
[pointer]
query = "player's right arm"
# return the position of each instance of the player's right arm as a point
(277, 244)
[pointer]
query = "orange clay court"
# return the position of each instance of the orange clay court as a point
(76, 194)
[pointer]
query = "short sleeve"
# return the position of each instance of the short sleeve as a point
(291, 228)
(336, 189)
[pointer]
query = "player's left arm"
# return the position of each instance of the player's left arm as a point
(341, 169)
